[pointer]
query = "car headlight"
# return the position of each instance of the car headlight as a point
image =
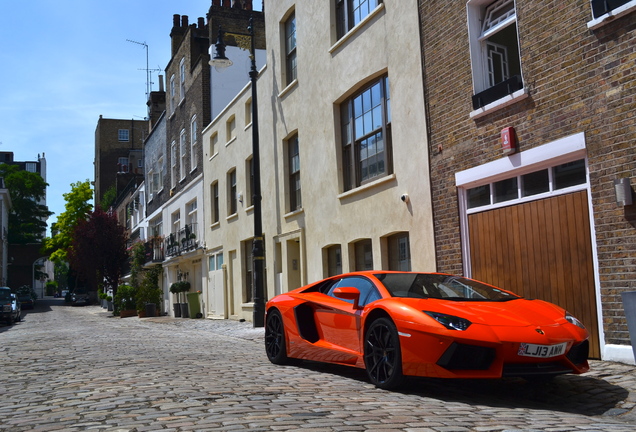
(449, 321)
(572, 320)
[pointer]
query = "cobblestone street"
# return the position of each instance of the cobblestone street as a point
(78, 368)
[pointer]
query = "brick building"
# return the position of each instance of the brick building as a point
(541, 219)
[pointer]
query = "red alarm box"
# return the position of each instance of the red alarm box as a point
(508, 140)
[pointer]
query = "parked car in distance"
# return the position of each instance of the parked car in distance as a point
(80, 297)
(10, 310)
(26, 301)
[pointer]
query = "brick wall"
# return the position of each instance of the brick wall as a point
(579, 81)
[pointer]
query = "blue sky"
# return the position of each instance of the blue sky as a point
(65, 62)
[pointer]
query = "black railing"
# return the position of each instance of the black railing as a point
(601, 7)
(184, 240)
(155, 250)
(497, 91)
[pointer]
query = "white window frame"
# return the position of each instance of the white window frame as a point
(182, 79)
(123, 135)
(173, 171)
(173, 104)
(611, 16)
(182, 153)
(193, 143)
(478, 56)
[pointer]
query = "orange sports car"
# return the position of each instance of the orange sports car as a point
(397, 324)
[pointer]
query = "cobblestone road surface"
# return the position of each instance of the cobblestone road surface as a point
(80, 369)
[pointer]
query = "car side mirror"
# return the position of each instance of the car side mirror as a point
(348, 293)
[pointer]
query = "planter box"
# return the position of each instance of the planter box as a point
(128, 313)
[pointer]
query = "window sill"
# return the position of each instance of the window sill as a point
(232, 217)
(215, 225)
(230, 141)
(499, 104)
(340, 42)
(288, 89)
(247, 126)
(294, 213)
(612, 15)
(359, 189)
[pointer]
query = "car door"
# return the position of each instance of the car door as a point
(338, 321)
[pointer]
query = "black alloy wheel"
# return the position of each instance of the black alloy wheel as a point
(275, 345)
(382, 355)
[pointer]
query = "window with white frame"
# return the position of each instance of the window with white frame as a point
(173, 168)
(349, 13)
(182, 155)
(366, 134)
(173, 91)
(176, 221)
(191, 216)
(158, 175)
(122, 165)
(193, 142)
(494, 50)
(123, 135)
(182, 79)
(602, 7)
(290, 49)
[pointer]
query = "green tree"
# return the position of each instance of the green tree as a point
(77, 208)
(27, 218)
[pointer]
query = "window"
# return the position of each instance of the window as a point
(494, 47)
(230, 128)
(193, 142)
(399, 252)
(176, 221)
(122, 165)
(214, 192)
(31, 167)
(368, 292)
(182, 154)
(366, 135)
(249, 170)
(182, 78)
(123, 135)
(290, 49)
(544, 181)
(157, 178)
(156, 227)
(334, 260)
(173, 103)
(601, 7)
(293, 164)
(214, 139)
(231, 193)
(191, 208)
(247, 253)
(248, 113)
(349, 13)
(173, 157)
(363, 255)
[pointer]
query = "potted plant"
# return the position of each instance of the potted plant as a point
(149, 293)
(125, 301)
(185, 311)
(109, 303)
(175, 289)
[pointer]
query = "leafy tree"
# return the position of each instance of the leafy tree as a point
(77, 208)
(98, 250)
(27, 219)
(109, 197)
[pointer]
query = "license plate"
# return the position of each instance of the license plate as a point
(541, 351)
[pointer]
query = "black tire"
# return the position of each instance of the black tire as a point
(275, 344)
(382, 355)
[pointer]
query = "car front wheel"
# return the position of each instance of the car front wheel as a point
(275, 345)
(382, 356)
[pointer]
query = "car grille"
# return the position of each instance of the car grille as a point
(467, 357)
(579, 353)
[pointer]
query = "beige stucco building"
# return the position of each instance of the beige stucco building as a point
(343, 150)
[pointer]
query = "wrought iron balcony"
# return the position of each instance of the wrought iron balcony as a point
(155, 250)
(497, 91)
(184, 240)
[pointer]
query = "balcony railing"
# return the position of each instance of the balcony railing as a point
(497, 91)
(155, 248)
(184, 240)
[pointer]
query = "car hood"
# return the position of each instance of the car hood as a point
(512, 313)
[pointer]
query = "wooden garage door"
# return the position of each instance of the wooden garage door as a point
(541, 249)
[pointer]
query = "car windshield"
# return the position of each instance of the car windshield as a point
(5, 295)
(441, 286)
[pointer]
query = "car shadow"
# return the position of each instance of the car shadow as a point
(573, 394)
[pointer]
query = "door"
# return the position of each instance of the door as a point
(541, 249)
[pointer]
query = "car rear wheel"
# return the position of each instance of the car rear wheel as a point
(382, 356)
(275, 345)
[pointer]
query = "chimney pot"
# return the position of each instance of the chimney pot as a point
(176, 18)
(201, 22)
(184, 21)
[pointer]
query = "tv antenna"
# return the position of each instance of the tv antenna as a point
(147, 69)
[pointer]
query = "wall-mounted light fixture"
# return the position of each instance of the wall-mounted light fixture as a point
(623, 190)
